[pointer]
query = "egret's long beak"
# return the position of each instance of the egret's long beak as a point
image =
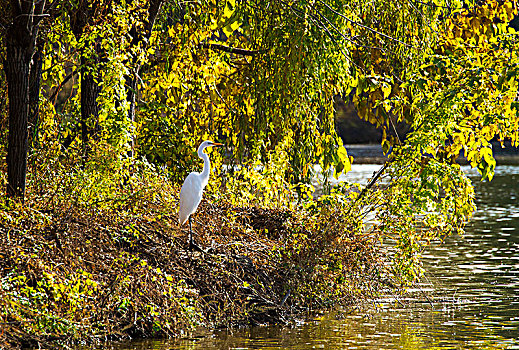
(217, 144)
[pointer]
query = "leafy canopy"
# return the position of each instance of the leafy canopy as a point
(262, 76)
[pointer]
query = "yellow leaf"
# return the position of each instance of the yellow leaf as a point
(228, 10)
(386, 90)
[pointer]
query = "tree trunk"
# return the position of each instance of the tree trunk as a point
(80, 17)
(89, 107)
(34, 98)
(131, 79)
(131, 92)
(20, 41)
(17, 68)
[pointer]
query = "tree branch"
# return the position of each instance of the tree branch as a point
(229, 49)
(362, 25)
(58, 88)
(370, 184)
(300, 13)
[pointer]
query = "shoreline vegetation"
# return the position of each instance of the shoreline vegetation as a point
(88, 260)
(97, 254)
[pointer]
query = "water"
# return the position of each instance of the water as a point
(469, 301)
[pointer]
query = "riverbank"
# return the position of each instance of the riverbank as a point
(96, 253)
(372, 154)
(89, 259)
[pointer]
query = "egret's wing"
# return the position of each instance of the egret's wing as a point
(190, 196)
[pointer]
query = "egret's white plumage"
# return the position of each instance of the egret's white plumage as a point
(190, 196)
(193, 188)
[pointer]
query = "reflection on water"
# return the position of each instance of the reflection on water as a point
(482, 268)
(473, 283)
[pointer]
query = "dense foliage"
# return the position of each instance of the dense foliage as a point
(118, 95)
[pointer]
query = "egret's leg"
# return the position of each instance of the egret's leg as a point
(190, 238)
(191, 243)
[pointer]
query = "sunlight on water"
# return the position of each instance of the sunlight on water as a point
(472, 291)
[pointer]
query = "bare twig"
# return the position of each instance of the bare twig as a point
(369, 185)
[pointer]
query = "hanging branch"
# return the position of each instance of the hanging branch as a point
(370, 184)
(363, 26)
(230, 49)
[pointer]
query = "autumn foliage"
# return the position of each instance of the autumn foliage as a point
(119, 95)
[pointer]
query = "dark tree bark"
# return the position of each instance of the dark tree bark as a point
(20, 41)
(89, 107)
(131, 93)
(80, 17)
(34, 97)
(132, 79)
(17, 73)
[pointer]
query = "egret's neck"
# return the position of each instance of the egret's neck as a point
(207, 167)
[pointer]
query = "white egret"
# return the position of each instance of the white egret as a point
(192, 190)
